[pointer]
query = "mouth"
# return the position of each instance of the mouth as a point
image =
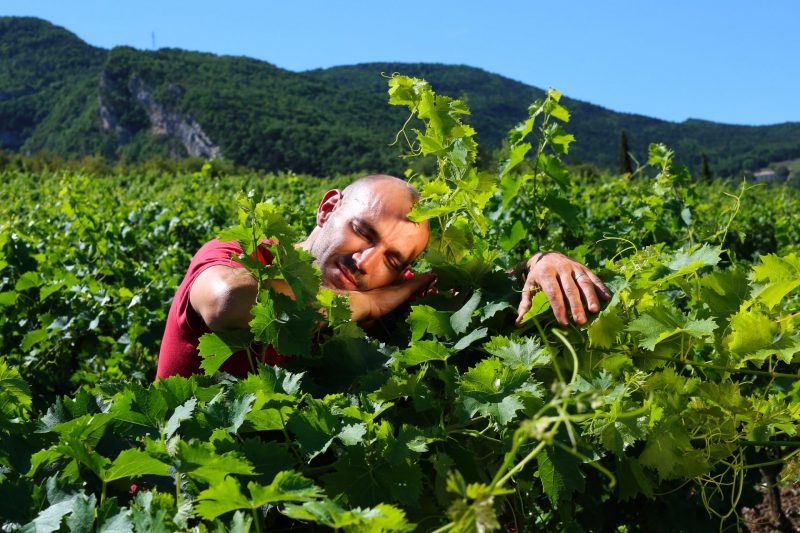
(345, 278)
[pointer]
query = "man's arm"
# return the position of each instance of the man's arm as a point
(564, 281)
(223, 297)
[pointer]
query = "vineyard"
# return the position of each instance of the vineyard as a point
(672, 409)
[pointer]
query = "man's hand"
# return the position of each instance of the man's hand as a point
(374, 303)
(562, 280)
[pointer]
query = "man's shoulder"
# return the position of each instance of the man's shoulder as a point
(216, 249)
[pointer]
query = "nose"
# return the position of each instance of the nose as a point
(364, 258)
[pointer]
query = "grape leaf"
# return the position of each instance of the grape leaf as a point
(216, 348)
(422, 351)
(519, 353)
(662, 322)
(363, 482)
(460, 320)
(133, 463)
(424, 318)
(692, 260)
(199, 460)
(560, 474)
(314, 428)
(469, 338)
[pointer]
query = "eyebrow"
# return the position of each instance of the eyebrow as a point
(372, 233)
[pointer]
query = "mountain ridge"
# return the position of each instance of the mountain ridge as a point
(60, 95)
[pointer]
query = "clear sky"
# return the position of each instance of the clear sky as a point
(732, 61)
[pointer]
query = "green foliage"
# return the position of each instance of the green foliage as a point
(448, 417)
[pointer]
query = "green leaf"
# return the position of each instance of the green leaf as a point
(363, 482)
(494, 390)
(287, 486)
(376, 519)
(755, 337)
(519, 353)
(28, 280)
(181, 413)
(216, 348)
(516, 234)
(148, 513)
(221, 497)
(661, 322)
(539, 304)
(663, 451)
(425, 319)
(298, 269)
(277, 320)
(560, 112)
(133, 463)
(352, 434)
(493, 308)
(780, 275)
(15, 394)
(560, 474)
(228, 411)
(461, 319)
(469, 338)
(33, 338)
(236, 233)
(267, 457)
(61, 504)
(606, 328)
(515, 157)
(692, 260)
(8, 298)
(314, 428)
(200, 461)
(409, 439)
(421, 352)
(81, 519)
(633, 480)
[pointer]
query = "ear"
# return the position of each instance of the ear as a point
(328, 205)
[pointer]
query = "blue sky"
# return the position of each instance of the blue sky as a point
(730, 61)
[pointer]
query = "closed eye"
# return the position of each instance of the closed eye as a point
(358, 230)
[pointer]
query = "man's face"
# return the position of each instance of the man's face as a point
(366, 241)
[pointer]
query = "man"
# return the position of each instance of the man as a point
(362, 243)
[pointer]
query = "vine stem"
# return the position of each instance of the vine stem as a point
(520, 465)
(256, 521)
(722, 368)
(773, 443)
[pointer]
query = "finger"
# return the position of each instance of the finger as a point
(598, 283)
(552, 290)
(418, 283)
(573, 295)
(588, 289)
(528, 291)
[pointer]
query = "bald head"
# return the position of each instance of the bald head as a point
(368, 184)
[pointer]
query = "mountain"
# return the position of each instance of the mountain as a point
(60, 95)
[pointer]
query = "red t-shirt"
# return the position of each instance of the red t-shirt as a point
(178, 355)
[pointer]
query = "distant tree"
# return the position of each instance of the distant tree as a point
(624, 155)
(705, 173)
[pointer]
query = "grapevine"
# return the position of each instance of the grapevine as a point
(443, 416)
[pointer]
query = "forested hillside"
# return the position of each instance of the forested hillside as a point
(62, 96)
